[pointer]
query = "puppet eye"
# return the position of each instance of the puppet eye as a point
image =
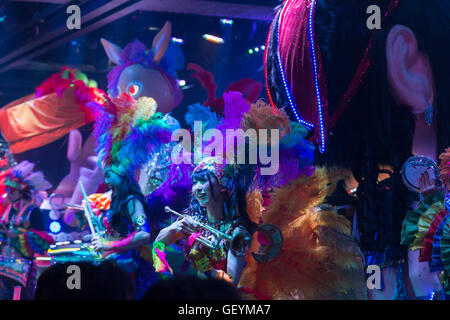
(134, 88)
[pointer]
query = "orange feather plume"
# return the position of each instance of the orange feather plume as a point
(319, 259)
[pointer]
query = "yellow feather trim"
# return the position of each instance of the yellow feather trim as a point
(319, 258)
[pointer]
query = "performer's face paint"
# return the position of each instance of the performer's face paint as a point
(112, 178)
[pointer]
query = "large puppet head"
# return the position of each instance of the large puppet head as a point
(151, 73)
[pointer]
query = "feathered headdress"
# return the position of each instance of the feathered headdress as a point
(250, 88)
(295, 152)
(319, 259)
(128, 132)
(22, 178)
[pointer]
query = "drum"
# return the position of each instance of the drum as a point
(73, 252)
(413, 169)
(15, 269)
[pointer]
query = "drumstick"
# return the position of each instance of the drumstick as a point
(88, 210)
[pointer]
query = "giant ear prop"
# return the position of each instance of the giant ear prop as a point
(112, 51)
(161, 42)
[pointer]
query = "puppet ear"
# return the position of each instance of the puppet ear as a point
(161, 42)
(112, 51)
(74, 146)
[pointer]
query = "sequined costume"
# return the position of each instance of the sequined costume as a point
(129, 134)
(217, 257)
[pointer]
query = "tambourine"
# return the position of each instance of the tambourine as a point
(413, 169)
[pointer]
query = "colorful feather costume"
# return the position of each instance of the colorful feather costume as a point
(17, 253)
(295, 152)
(319, 259)
(129, 132)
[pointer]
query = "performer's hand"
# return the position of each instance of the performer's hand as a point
(186, 226)
(427, 187)
(101, 244)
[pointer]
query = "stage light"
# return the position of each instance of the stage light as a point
(55, 227)
(212, 38)
(250, 51)
(263, 47)
(226, 21)
(256, 49)
(54, 251)
(177, 40)
(181, 83)
(43, 258)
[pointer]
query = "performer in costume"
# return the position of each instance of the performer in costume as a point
(427, 227)
(317, 257)
(20, 237)
(351, 86)
(128, 133)
(217, 200)
(319, 260)
(284, 263)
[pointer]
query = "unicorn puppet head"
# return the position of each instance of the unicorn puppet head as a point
(151, 73)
